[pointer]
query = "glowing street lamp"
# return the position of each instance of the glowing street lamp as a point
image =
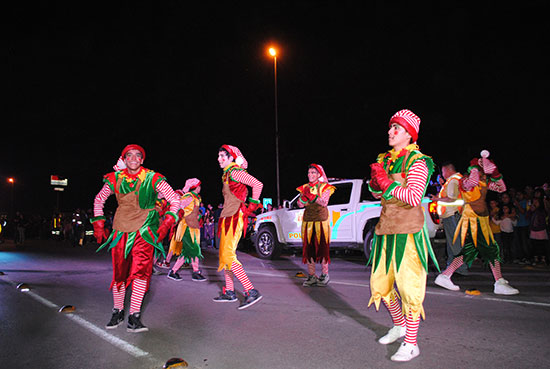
(273, 52)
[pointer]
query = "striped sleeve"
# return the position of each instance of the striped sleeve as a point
(417, 177)
(170, 195)
(245, 178)
(497, 186)
(101, 197)
(468, 183)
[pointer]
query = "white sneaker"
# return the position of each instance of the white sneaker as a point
(323, 279)
(503, 288)
(406, 352)
(395, 333)
(445, 282)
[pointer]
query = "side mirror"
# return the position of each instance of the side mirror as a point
(286, 204)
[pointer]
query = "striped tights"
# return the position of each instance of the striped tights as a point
(311, 267)
(139, 287)
(181, 261)
(458, 261)
(399, 319)
(237, 271)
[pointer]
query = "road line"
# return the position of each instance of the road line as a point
(442, 293)
(101, 333)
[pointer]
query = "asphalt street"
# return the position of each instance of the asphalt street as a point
(292, 327)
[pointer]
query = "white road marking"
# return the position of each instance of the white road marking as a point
(101, 333)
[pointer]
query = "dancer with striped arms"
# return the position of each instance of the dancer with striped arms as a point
(401, 242)
(136, 231)
(474, 230)
(233, 222)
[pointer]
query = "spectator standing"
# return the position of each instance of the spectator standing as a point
(521, 232)
(506, 221)
(538, 231)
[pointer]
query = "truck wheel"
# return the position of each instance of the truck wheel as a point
(267, 245)
(367, 244)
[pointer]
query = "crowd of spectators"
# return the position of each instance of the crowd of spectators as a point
(520, 223)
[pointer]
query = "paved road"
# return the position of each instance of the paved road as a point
(293, 327)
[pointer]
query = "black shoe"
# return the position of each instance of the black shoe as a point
(135, 325)
(250, 298)
(174, 276)
(198, 277)
(227, 296)
(116, 319)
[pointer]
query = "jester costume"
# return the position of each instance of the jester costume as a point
(136, 221)
(233, 222)
(233, 218)
(473, 229)
(316, 223)
(401, 244)
(186, 239)
(136, 230)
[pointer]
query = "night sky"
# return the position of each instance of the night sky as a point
(182, 78)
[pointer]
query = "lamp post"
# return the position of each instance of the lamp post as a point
(273, 52)
(11, 181)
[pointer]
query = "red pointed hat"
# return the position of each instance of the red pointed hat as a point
(191, 184)
(408, 120)
(237, 155)
(321, 171)
(133, 147)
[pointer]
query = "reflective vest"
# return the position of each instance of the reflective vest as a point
(441, 209)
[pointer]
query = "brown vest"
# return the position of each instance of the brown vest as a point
(192, 219)
(398, 217)
(231, 204)
(479, 206)
(315, 213)
(129, 217)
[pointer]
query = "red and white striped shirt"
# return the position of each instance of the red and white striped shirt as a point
(162, 187)
(245, 178)
(417, 178)
(472, 181)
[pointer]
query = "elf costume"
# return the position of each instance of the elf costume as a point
(401, 243)
(186, 239)
(233, 223)
(136, 232)
(474, 228)
(316, 226)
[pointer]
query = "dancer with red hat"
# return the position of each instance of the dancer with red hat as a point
(186, 241)
(476, 236)
(136, 232)
(233, 222)
(314, 196)
(401, 243)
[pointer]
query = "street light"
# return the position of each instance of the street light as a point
(273, 52)
(11, 181)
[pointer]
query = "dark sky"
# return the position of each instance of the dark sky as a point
(182, 78)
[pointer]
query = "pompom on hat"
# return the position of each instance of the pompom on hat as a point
(319, 168)
(237, 155)
(408, 120)
(191, 184)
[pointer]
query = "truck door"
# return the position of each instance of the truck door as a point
(291, 223)
(341, 210)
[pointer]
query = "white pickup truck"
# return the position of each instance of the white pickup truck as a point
(353, 213)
